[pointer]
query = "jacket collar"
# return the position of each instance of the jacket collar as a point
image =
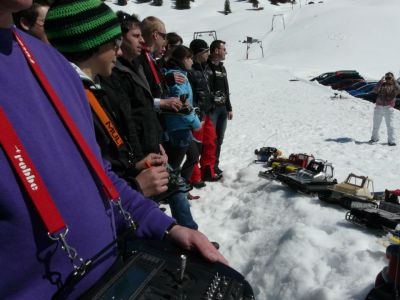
(85, 78)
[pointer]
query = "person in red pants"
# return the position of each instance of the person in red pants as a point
(203, 100)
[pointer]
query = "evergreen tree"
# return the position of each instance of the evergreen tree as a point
(182, 4)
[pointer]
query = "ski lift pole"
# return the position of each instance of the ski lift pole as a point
(273, 19)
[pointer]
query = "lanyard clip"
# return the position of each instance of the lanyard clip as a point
(80, 267)
(127, 216)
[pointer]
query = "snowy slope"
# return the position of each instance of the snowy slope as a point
(288, 245)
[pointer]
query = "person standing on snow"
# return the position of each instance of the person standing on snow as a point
(218, 82)
(387, 90)
(128, 89)
(203, 99)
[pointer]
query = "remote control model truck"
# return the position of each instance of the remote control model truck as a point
(265, 153)
(282, 165)
(356, 191)
(385, 215)
(315, 178)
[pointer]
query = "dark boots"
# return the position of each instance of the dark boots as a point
(208, 176)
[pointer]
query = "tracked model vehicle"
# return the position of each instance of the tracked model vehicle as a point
(356, 191)
(265, 153)
(282, 165)
(316, 177)
(383, 216)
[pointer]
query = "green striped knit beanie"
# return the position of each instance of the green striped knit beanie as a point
(76, 26)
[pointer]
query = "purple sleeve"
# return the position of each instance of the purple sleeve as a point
(151, 220)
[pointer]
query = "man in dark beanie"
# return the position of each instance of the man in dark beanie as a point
(204, 100)
(36, 265)
(218, 82)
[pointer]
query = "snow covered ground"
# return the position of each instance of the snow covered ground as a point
(288, 245)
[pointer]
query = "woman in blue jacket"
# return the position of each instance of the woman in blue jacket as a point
(179, 125)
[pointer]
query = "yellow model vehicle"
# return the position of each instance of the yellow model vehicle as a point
(356, 191)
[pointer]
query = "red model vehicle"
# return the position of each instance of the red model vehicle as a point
(283, 165)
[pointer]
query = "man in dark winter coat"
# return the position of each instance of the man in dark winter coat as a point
(203, 99)
(154, 35)
(218, 82)
(134, 97)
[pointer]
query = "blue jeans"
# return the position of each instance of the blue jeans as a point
(219, 117)
(180, 210)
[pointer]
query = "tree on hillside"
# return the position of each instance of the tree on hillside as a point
(182, 4)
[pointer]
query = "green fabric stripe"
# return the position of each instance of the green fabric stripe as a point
(72, 8)
(79, 27)
(91, 43)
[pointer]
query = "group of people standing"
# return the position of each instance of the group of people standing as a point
(118, 113)
(165, 103)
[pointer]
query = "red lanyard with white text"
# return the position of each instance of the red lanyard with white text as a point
(108, 186)
(53, 220)
(34, 186)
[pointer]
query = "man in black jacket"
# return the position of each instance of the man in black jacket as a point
(154, 46)
(204, 100)
(218, 82)
(130, 92)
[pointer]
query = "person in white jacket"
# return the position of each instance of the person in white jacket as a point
(387, 90)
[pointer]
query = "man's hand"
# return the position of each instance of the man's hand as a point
(151, 159)
(153, 181)
(174, 104)
(190, 239)
(230, 115)
(164, 155)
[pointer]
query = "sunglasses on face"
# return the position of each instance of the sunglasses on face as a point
(388, 78)
(163, 35)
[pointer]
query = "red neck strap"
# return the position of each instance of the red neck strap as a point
(31, 179)
(108, 186)
(29, 176)
(152, 66)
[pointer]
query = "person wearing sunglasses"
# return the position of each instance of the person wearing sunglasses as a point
(386, 89)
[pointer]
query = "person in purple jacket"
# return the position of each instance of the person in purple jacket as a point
(34, 266)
